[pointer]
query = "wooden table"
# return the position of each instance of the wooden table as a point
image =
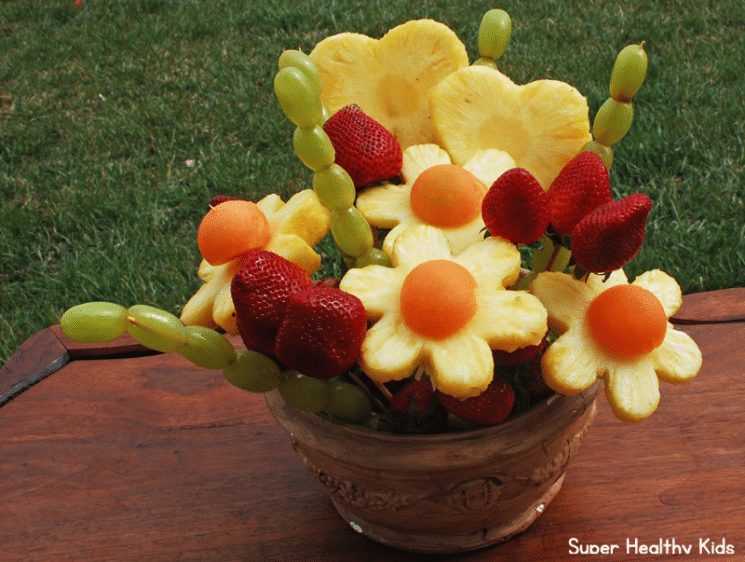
(119, 454)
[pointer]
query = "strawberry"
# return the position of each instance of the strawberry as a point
(416, 396)
(322, 331)
(491, 407)
(260, 290)
(516, 207)
(415, 409)
(364, 148)
(581, 186)
(519, 356)
(217, 199)
(611, 235)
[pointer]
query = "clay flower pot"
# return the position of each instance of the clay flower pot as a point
(442, 493)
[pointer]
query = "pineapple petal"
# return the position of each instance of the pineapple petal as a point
(541, 125)
(489, 164)
(303, 215)
(492, 262)
(510, 320)
(295, 249)
(462, 365)
(563, 296)
(419, 157)
(385, 206)
(678, 359)
(390, 351)
(212, 305)
(418, 244)
(664, 287)
(391, 78)
(374, 285)
(568, 367)
(632, 390)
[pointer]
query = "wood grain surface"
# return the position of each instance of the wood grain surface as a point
(125, 456)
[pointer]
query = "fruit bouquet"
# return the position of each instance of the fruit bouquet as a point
(480, 288)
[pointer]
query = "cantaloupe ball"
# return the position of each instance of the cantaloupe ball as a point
(230, 229)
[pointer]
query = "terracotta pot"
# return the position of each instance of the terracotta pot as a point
(442, 493)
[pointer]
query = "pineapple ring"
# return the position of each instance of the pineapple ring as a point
(295, 228)
(460, 364)
(389, 206)
(542, 124)
(575, 360)
(390, 78)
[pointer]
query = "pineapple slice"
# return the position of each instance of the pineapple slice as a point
(541, 125)
(296, 226)
(390, 78)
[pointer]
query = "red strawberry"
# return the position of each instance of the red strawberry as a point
(322, 332)
(416, 396)
(217, 199)
(611, 236)
(581, 186)
(516, 207)
(519, 356)
(260, 290)
(364, 148)
(491, 407)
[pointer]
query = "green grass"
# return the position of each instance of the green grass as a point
(103, 106)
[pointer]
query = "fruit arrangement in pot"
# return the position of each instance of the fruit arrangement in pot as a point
(431, 174)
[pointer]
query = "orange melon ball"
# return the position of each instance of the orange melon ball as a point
(447, 196)
(438, 298)
(230, 229)
(627, 320)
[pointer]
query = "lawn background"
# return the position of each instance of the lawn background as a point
(119, 121)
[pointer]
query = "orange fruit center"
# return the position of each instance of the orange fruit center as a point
(230, 229)
(447, 196)
(627, 320)
(438, 298)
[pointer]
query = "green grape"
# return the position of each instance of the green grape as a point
(494, 33)
(605, 152)
(550, 257)
(612, 121)
(155, 328)
(628, 72)
(325, 114)
(298, 97)
(373, 256)
(334, 187)
(348, 402)
(303, 62)
(313, 147)
(303, 392)
(351, 231)
(94, 322)
(206, 348)
(253, 371)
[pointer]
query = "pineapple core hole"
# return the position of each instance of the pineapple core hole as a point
(627, 320)
(447, 196)
(438, 298)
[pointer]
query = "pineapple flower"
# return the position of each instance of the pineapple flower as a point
(618, 332)
(390, 78)
(442, 315)
(436, 192)
(295, 228)
(541, 125)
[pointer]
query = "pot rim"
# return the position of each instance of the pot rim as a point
(546, 406)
